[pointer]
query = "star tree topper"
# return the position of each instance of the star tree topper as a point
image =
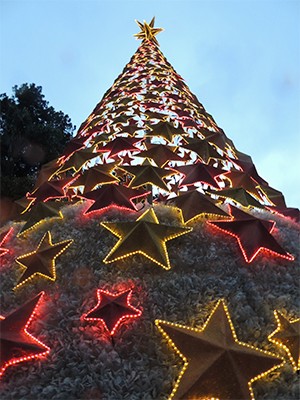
(216, 363)
(148, 32)
(17, 344)
(144, 236)
(113, 309)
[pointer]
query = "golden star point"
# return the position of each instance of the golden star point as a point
(148, 32)
(209, 344)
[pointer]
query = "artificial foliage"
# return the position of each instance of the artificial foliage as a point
(152, 210)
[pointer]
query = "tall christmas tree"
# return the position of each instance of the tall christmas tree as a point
(168, 267)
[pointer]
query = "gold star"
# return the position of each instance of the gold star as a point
(148, 32)
(287, 336)
(216, 363)
(144, 236)
(42, 260)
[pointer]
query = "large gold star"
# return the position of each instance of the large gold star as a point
(287, 336)
(148, 32)
(216, 363)
(144, 236)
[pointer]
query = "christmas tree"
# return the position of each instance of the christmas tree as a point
(151, 260)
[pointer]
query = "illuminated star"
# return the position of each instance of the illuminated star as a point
(216, 363)
(47, 171)
(39, 213)
(275, 196)
(17, 344)
(113, 196)
(55, 189)
(160, 154)
(252, 234)
(148, 32)
(3, 238)
(199, 172)
(120, 144)
(248, 167)
(287, 336)
(79, 159)
(194, 204)
(144, 236)
(100, 174)
(243, 180)
(166, 130)
(204, 150)
(113, 309)
(74, 145)
(42, 260)
(239, 195)
(148, 174)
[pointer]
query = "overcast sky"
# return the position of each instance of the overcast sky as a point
(241, 58)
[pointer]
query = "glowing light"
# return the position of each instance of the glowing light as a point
(18, 344)
(253, 236)
(287, 337)
(216, 363)
(113, 309)
(3, 238)
(145, 236)
(41, 261)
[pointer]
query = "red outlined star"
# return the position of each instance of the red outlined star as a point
(3, 238)
(17, 344)
(113, 196)
(199, 172)
(120, 144)
(113, 309)
(252, 234)
(55, 189)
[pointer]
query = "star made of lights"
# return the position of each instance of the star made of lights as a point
(55, 189)
(144, 236)
(202, 148)
(148, 32)
(99, 174)
(120, 144)
(243, 180)
(216, 363)
(113, 309)
(148, 174)
(42, 260)
(160, 154)
(17, 344)
(199, 172)
(238, 195)
(38, 213)
(252, 234)
(119, 196)
(164, 129)
(194, 204)
(287, 336)
(3, 238)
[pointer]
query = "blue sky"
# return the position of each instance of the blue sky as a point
(241, 58)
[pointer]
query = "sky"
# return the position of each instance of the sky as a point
(240, 57)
